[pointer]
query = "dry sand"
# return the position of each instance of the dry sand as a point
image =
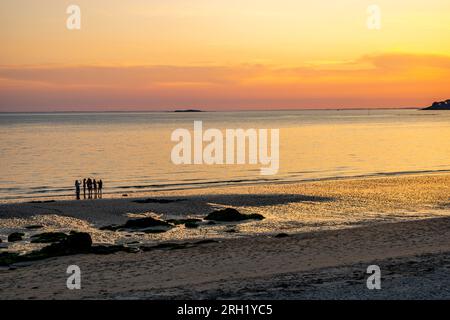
(337, 228)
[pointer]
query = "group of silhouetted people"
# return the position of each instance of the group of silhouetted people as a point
(94, 188)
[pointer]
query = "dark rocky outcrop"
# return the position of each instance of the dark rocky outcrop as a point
(48, 237)
(112, 227)
(147, 222)
(79, 242)
(441, 105)
(191, 225)
(34, 226)
(16, 236)
(7, 258)
(74, 243)
(230, 215)
(281, 235)
(139, 224)
(152, 225)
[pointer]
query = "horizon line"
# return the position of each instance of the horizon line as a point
(225, 110)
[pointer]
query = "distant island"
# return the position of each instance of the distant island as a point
(188, 110)
(441, 105)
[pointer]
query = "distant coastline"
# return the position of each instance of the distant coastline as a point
(440, 105)
(188, 110)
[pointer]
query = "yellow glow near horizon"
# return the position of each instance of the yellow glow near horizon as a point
(327, 40)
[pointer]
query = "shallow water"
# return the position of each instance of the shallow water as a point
(287, 208)
(42, 154)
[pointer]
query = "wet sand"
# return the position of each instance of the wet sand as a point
(336, 229)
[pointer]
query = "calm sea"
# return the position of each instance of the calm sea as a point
(42, 154)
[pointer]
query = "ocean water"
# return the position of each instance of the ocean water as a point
(42, 154)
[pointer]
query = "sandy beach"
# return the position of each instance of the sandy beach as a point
(335, 229)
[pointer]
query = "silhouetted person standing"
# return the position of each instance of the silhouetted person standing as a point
(77, 189)
(95, 188)
(100, 187)
(84, 188)
(89, 186)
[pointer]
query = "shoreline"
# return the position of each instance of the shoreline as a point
(288, 208)
(133, 195)
(333, 231)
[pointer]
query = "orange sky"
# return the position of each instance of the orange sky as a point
(220, 55)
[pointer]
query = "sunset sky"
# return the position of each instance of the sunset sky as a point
(222, 55)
